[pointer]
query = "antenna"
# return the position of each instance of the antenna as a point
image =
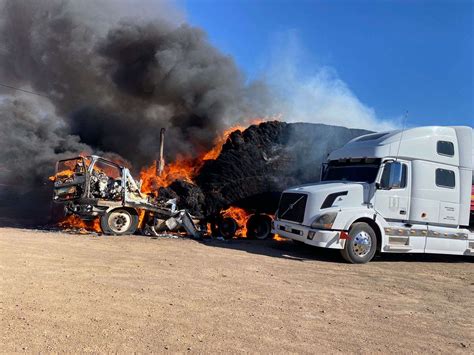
(401, 134)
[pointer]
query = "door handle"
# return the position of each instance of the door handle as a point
(403, 212)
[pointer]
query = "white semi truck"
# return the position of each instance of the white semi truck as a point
(404, 191)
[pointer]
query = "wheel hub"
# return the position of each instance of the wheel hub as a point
(119, 221)
(362, 244)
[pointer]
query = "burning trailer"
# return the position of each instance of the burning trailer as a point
(234, 189)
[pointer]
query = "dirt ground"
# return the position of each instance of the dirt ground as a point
(61, 292)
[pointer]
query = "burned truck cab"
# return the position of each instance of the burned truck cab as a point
(83, 184)
(92, 187)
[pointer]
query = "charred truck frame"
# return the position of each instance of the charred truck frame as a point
(93, 187)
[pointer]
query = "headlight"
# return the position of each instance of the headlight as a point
(324, 221)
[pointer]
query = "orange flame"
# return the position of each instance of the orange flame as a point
(219, 142)
(185, 168)
(278, 238)
(62, 175)
(241, 216)
(76, 223)
(141, 218)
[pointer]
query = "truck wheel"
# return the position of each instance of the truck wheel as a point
(119, 222)
(361, 245)
(259, 227)
(227, 227)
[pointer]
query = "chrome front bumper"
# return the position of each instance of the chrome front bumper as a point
(316, 237)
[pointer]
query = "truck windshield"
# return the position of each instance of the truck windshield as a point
(361, 171)
(70, 167)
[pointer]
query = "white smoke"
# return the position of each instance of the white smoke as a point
(320, 97)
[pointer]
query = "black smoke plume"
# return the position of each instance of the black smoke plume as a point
(108, 86)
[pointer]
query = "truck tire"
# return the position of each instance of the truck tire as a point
(361, 245)
(119, 222)
(227, 227)
(259, 226)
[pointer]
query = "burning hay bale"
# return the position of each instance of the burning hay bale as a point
(256, 164)
(189, 196)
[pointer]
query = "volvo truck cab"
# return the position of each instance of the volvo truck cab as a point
(393, 192)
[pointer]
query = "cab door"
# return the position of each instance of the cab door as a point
(444, 237)
(392, 196)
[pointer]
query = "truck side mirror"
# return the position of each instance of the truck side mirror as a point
(324, 168)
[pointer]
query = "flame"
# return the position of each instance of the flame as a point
(141, 218)
(76, 223)
(278, 238)
(186, 168)
(69, 168)
(241, 216)
(183, 169)
(219, 142)
(62, 175)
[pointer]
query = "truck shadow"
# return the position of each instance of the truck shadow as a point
(286, 249)
(278, 249)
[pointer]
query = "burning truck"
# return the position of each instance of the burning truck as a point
(92, 187)
(233, 189)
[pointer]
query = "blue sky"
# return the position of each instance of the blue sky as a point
(392, 56)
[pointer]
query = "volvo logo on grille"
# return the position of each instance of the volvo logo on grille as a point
(292, 206)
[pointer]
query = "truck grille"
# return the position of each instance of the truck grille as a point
(292, 207)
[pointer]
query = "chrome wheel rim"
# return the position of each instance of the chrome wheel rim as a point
(362, 244)
(119, 221)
